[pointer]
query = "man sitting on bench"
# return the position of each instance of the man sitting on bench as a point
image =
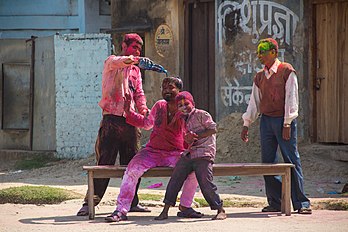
(163, 149)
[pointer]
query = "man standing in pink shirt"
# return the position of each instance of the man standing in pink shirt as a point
(163, 149)
(121, 76)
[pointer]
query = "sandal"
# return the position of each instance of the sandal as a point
(190, 213)
(84, 211)
(116, 216)
(269, 209)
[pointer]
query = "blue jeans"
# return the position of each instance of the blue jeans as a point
(204, 173)
(271, 137)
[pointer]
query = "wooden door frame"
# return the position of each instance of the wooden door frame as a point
(312, 72)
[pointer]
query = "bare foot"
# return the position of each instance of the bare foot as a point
(220, 216)
(162, 216)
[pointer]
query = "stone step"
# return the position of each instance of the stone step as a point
(6, 155)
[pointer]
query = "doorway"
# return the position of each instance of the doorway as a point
(16, 94)
(331, 82)
(199, 76)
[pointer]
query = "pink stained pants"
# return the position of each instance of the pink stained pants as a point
(144, 160)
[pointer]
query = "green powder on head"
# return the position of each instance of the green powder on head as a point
(264, 46)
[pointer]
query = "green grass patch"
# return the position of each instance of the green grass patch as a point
(34, 162)
(238, 203)
(36, 195)
(150, 197)
(331, 205)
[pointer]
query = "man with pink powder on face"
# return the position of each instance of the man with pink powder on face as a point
(120, 76)
(163, 149)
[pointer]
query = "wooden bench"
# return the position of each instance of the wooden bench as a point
(235, 169)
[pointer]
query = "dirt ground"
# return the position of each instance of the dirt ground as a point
(324, 180)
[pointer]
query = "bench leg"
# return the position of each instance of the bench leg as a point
(286, 193)
(91, 195)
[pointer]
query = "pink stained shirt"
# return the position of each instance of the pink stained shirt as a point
(164, 136)
(198, 121)
(120, 78)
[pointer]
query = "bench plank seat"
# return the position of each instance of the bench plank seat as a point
(221, 169)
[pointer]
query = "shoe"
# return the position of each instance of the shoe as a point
(84, 211)
(305, 210)
(116, 216)
(139, 208)
(190, 213)
(270, 209)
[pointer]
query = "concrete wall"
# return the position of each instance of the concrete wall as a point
(129, 14)
(78, 73)
(164, 13)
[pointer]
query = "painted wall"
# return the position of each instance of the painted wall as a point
(22, 18)
(78, 69)
(239, 26)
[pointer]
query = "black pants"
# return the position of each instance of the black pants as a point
(115, 136)
(204, 173)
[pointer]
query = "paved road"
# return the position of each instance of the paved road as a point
(61, 218)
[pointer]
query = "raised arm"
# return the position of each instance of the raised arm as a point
(139, 120)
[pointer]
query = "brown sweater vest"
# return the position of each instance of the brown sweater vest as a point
(273, 90)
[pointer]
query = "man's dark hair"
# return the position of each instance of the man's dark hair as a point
(132, 37)
(175, 80)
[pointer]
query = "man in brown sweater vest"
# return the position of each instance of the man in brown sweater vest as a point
(274, 96)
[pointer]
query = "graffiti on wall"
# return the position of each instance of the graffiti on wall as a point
(264, 16)
(254, 18)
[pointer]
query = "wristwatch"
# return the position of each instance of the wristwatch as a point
(286, 125)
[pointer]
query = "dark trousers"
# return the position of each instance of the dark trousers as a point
(204, 173)
(271, 137)
(115, 136)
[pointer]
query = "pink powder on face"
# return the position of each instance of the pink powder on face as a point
(184, 95)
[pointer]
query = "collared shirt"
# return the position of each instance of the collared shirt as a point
(164, 136)
(198, 121)
(120, 78)
(291, 98)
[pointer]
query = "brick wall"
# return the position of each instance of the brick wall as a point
(78, 71)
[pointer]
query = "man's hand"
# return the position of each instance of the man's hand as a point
(131, 60)
(286, 132)
(190, 137)
(244, 134)
(127, 102)
(145, 112)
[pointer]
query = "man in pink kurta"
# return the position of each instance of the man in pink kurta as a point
(121, 76)
(163, 149)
